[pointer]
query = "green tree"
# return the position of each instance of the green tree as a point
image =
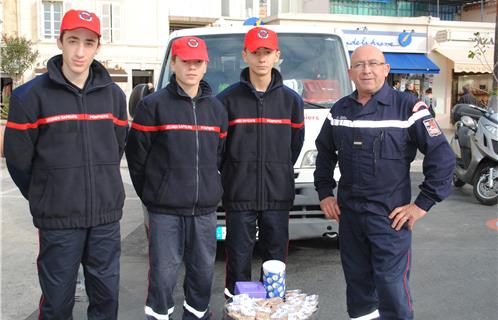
(17, 56)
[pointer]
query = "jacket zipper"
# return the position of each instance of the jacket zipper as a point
(260, 162)
(196, 159)
(88, 156)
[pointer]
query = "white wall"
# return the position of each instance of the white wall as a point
(145, 22)
(239, 9)
(316, 6)
(441, 88)
(195, 8)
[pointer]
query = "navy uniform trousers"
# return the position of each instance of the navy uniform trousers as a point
(61, 251)
(173, 238)
(376, 261)
(273, 226)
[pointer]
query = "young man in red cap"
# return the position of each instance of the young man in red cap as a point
(265, 136)
(64, 140)
(174, 152)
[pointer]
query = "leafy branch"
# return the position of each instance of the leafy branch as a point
(481, 46)
(17, 56)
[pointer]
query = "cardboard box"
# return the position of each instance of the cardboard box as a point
(254, 289)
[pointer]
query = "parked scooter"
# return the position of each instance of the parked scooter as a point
(475, 144)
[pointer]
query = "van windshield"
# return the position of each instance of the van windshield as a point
(313, 65)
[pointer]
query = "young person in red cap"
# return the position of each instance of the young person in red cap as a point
(64, 140)
(265, 136)
(174, 152)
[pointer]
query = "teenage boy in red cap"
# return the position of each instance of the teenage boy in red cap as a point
(265, 136)
(174, 151)
(64, 140)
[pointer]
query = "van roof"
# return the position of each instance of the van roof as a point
(244, 29)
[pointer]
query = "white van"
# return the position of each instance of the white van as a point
(314, 63)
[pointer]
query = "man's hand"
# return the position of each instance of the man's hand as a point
(330, 208)
(408, 213)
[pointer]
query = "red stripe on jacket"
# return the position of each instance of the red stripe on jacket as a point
(188, 127)
(67, 117)
(265, 121)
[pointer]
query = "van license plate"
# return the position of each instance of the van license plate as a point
(221, 232)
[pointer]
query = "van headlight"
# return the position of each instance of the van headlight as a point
(309, 159)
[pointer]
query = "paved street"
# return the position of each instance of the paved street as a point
(454, 273)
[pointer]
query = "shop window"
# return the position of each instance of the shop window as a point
(479, 84)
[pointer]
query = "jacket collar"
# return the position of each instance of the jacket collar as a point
(276, 80)
(174, 88)
(383, 94)
(99, 75)
(381, 97)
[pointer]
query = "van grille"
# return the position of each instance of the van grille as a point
(297, 212)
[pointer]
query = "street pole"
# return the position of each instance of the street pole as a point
(494, 96)
(482, 10)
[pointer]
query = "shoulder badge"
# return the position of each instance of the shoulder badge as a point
(432, 127)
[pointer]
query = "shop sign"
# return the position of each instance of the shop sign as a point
(405, 38)
(361, 41)
(389, 41)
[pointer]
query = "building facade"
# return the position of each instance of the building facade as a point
(134, 33)
(425, 50)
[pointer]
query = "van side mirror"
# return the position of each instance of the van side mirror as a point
(141, 90)
(469, 122)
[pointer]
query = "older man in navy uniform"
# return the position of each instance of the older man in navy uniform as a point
(374, 134)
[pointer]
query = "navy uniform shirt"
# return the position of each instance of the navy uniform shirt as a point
(375, 146)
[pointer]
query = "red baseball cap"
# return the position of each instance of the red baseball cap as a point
(75, 19)
(259, 37)
(190, 48)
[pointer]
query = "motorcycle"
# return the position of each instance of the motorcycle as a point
(475, 144)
